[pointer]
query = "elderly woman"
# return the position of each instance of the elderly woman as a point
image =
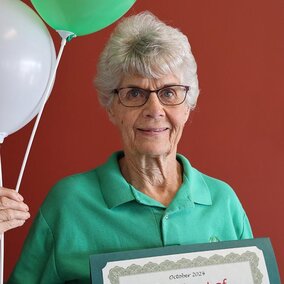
(147, 195)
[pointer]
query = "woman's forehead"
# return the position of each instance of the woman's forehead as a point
(143, 82)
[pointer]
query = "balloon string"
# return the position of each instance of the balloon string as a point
(2, 234)
(50, 83)
(2, 259)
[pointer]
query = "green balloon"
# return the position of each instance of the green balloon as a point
(81, 17)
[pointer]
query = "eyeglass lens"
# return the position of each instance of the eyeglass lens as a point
(170, 95)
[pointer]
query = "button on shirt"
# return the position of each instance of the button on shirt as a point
(99, 212)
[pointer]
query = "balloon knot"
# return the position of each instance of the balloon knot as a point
(70, 37)
(66, 35)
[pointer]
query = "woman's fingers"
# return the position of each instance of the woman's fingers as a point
(8, 225)
(11, 214)
(11, 193)
(6, 202)
(10, 219)
(13, 211)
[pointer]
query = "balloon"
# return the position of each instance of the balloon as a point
(81, 17)
(27, 59)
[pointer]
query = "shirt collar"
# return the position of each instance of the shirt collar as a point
(197, 189)
(116, 190)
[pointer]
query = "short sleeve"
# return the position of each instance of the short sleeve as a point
(37, 263)
(247, 232)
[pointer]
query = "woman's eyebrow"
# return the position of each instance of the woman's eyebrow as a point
(133, 86)
(162, 86)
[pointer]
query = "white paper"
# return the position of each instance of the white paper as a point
(226, 266)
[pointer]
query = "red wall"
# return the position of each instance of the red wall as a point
(235, 134)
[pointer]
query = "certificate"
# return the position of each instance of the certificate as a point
(246, 261)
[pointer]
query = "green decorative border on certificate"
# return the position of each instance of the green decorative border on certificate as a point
(134, 269)
(99, 261)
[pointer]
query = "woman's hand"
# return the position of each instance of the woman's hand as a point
(13, 211)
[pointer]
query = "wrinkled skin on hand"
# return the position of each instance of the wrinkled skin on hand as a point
(13, 211)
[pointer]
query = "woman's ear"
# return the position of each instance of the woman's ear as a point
(187, 113)
(111, 114)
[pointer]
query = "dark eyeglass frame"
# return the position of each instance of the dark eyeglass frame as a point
(148, 92)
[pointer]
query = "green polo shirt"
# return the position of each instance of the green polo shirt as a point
(99, 212)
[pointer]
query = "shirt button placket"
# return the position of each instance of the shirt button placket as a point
(165, 228)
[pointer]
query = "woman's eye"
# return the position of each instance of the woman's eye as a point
(134, 93)
(168, 93)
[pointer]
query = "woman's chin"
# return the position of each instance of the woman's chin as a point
(154, 150)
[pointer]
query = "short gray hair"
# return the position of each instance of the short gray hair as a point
(143, 45)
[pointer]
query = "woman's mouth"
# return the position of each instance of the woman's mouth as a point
(153, 130)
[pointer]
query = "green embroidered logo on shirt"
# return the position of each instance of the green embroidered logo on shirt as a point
(214, 239)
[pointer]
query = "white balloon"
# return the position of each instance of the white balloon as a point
(27, 60)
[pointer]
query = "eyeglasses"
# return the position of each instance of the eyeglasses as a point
(171, 95)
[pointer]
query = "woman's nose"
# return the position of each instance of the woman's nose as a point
(153, 107)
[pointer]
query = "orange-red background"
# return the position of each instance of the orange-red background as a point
(235, 133)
